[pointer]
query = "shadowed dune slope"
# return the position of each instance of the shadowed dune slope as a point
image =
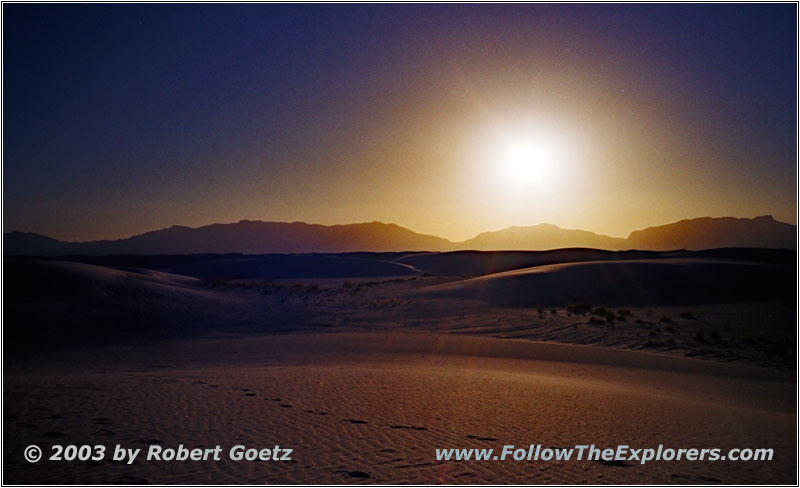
(59, 280)
(646, 282)
(302, 266)
(54, 302)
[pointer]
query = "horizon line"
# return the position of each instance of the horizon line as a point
(398, 225)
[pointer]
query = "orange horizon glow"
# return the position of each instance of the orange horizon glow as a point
(497, 116)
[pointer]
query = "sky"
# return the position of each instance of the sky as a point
(446, 119)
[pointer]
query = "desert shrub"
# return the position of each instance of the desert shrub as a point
(608, 315)
(688, 315)
(579, 308)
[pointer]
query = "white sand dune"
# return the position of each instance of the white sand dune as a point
(69, 280)
(289, 266)
(395, 379)
(64, 302)
(473, 263)
(645, 282)
(372, 408)
(54, 304)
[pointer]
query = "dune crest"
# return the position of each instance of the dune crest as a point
(645, 282)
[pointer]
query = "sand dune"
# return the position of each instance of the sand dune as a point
(402, 370)
(291, 266)
(54, 280)
(372, 408)
(644, 282)
(55, 302)
(52, 304)
(475, 263)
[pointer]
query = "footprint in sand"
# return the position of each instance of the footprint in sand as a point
(615, 463)
(250, 394)
(285, 405)
(358, 474)
(479, 438)
(407, 427)
(132, 480)
(355, 421)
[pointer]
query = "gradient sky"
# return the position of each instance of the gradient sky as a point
(119, 119)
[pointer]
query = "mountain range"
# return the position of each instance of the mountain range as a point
(257, 237)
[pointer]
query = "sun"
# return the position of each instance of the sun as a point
(528, 164)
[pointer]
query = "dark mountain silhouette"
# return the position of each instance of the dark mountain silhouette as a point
(256, 237)
(32, 244)
(249, 237)
(541, 237)
(709, 233)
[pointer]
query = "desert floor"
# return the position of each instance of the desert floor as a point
(364, 378)
(372, 407)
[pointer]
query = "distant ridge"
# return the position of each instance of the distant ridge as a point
(257, 237)
(541, 237)
(246, 236)
(709, 233)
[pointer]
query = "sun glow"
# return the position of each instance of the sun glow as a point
(524, 168)
(528, 164)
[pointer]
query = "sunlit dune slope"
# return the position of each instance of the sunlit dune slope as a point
(472, 263)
